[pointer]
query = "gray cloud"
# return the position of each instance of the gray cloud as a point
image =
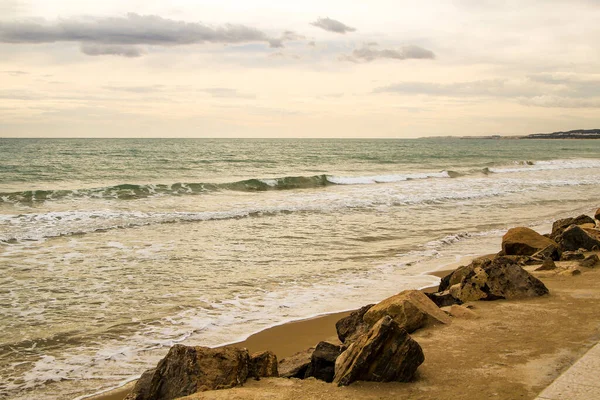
(369, 53)
(332, 25)
(131, 30)
(93, 49)
(16, 73)
(287, 36)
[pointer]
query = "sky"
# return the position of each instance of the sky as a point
(265, 68)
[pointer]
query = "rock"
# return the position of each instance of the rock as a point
(322, 362)
(559, 226)
(411, 309)
(571, 272)
(385, 353)
(462, 312)
(140, 390)
(547, 265)
(263, 365)
(597, 214)
(593, 232)
(186, 370)
(350, 326)
(572, 255)
(590, 261)
(443, 299)
(499, 279)
(526, 242)
(575, 237)
(548, 252)
(295, 366)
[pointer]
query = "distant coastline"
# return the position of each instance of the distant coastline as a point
(574, 134)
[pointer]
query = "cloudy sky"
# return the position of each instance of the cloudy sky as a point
(266, 68)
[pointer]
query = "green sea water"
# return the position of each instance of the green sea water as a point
(113, 250)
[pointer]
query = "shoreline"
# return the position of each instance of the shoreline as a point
(313, 330)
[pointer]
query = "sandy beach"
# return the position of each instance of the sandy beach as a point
(511, 350)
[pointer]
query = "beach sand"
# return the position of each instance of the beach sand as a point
(512, 350)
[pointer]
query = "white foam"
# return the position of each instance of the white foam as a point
(550, 165)
(368, 180)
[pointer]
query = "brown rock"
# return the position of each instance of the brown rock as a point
(499, 279)
(559, 226)
(547, 265)
(322, 362)
(572, 255)
(295, 366)
(574, 238)
(526, 242)
(352, 325)
(590, 261)
(263, 365)
(411, 309)
(186, 370)
(458, 311)
(597, 214)
(385, 353)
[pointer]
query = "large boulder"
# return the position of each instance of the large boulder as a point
(411, 309)
(322, 361)
(497, 279)
(295, 366)
(559, 226)
(523, 241)
(575, 237)
(263, 365)
(349, 327)
(186, 370)
(385, 353)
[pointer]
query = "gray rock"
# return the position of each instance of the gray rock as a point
(385, 353)
(574, 238)
(498, 279)
(559, 226)
(322, 362)
(295, 366)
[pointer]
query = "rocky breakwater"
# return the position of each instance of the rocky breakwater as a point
(375, 342)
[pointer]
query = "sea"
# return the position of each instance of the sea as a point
(113, 250)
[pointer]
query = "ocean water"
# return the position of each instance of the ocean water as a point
(113, 250)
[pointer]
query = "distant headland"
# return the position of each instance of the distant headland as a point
(574, 134)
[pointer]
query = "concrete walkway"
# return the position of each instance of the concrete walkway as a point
(580, 382)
